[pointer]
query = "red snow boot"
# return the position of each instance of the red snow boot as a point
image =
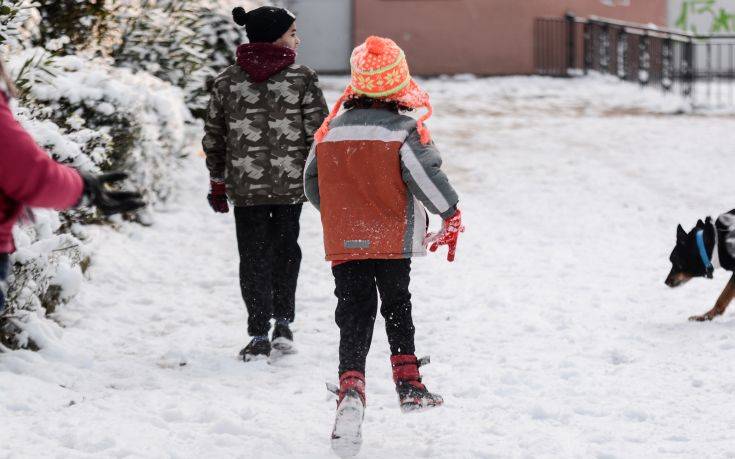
(351, 381)
(412, 394)
(347, 432)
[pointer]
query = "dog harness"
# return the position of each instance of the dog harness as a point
(703, 254)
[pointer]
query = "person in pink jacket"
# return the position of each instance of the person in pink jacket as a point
(30, 178)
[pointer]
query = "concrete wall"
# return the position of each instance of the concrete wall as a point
(489, 37)
(325, 28)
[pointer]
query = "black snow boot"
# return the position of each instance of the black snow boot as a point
(257, 348)
(282, 338)
(412, 393)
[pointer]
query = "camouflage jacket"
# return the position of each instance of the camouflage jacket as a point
(258, 135)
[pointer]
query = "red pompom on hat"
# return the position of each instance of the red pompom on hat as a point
(380, 71)
(375, 45)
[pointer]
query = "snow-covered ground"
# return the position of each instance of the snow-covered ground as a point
(552, 335)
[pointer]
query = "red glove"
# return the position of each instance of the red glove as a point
(217, 196)
(448, 235)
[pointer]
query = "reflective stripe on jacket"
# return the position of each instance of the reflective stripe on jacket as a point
(371, 178)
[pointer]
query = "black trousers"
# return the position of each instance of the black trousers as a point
(270, 257)
(357, 306)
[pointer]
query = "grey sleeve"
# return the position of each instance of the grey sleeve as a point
(215, 136)
(421, 170)
(311, 179)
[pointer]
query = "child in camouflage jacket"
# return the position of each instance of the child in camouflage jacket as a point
(260, 124)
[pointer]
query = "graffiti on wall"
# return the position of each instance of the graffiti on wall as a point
(693, 12)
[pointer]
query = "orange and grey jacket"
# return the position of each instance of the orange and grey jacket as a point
(371, 178)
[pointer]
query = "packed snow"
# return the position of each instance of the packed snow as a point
(552, 335)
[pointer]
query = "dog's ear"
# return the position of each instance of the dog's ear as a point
(700, 224)
(681, 235)
(708, 220)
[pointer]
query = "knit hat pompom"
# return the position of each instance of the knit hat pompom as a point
(375, 45)
(240, 16)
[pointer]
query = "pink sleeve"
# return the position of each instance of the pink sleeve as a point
(27, 174)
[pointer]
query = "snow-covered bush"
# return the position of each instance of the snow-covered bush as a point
(47, 271)
(94, 117)
(38, 67)
(119, 120)
(220, 36)
(161, 38)
(72, 24)
(184, 42)
(14, 16)
(104, 84)
(50, 250)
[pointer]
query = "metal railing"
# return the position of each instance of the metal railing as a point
(697, 66)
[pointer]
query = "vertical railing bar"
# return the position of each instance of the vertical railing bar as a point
(570, 41)
(537, 47)
(544, 47)
(587, 47)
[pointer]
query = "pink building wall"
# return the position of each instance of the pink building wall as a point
(486, 37)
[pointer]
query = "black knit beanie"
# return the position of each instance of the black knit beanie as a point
(265, 24)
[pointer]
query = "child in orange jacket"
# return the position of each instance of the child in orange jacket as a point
(372, 172)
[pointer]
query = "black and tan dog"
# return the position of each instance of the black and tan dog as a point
(708, 246)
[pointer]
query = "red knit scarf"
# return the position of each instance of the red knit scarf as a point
(262, 60)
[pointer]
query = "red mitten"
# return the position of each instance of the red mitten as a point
(449, 235)
(217, 196)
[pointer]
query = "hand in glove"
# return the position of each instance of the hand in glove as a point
(217, 196)
(109, 202)
(448, 235)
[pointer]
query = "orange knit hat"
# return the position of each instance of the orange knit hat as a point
(380, 71)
